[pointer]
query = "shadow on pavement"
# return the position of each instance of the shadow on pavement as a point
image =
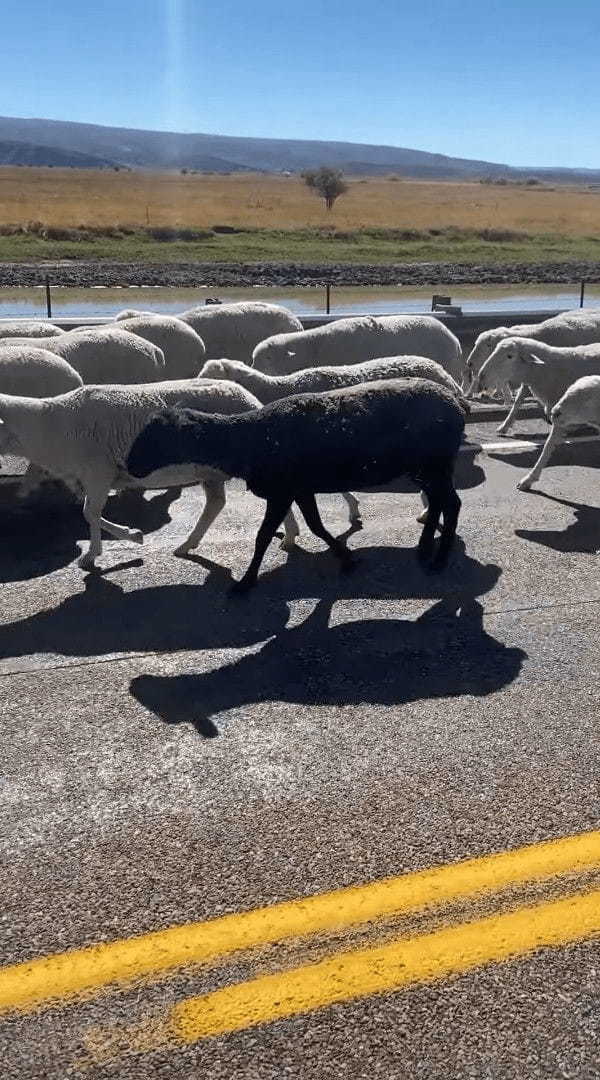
(468, 474)
(444, 653)
(41, 534)
(104, 619)
(581, 535)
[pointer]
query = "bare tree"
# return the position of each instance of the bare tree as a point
(326, 182)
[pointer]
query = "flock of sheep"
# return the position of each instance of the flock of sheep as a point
(153, 401)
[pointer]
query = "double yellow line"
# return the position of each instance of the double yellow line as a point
(345, 975)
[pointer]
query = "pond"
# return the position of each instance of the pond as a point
(68, 302)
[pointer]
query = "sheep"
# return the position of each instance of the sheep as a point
(291, 449)
(234, 329)
(32, 371)
(132, 313)
(545, 369)
(83, 437)
(183, 349)
(107, 355)
(28, 328)
(580, 404)
(318, 379)
(364, 337)
(570, 328)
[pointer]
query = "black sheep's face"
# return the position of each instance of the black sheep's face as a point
(159, 444)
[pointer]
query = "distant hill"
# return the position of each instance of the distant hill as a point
(60, 142)
(13, 152)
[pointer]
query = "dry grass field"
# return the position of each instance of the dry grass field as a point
(74, 197)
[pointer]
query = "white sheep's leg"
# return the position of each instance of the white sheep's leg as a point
(555, 437)
(291, 530)
(504, 427)
(422, 517)
(353, 506)
(95, 499)
(215, 502)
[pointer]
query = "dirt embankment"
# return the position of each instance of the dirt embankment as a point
(88, 274)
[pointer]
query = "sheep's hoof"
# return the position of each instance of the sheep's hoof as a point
(524, 484)
(502, 430)
(288, 545)
(136, 536)
(422, 517)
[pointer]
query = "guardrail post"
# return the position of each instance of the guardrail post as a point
(327, 298)
(581, 294)
(48, 298)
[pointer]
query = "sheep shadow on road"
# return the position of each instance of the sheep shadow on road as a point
(444, 653)
(104, 619)
(582, 534)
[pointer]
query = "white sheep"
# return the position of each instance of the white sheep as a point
(83, 438)
(580, 404)
(319, 379)
(28, 328)
(570, 328)
(545, 369)
(234, 329)
(32, 371)
(364, 337)
(131, 313)
(183, 349)
(107, 355)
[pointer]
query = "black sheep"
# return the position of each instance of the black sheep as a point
(297, 447)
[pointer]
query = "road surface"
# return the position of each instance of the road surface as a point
(173, 758)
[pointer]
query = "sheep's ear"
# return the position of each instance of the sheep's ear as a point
(535, 361)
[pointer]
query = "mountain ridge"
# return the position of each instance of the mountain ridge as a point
(43, 142)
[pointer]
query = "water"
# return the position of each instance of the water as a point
(380, 300)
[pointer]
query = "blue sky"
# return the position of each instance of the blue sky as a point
(516, 81)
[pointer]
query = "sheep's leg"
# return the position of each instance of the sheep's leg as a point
(292, 532)
(214, 491)
(450, 512)
(95, 499)
(310, 513)
(274, 515)
(555, 437)
(353, 506)
(521, 394)
(422, 517)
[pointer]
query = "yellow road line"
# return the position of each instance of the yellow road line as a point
(82, 971)
(358, 974)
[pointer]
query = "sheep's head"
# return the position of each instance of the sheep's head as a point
(483, 349)
(275, 356)
(505, 365)
(162, 442)
(222, 369)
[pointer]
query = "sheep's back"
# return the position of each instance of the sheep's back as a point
(29, 328)
(343, 439)
(30, 371)
(182, 347)
(109, 355)
(233, 330)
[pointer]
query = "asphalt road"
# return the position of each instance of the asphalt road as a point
(170, 756)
